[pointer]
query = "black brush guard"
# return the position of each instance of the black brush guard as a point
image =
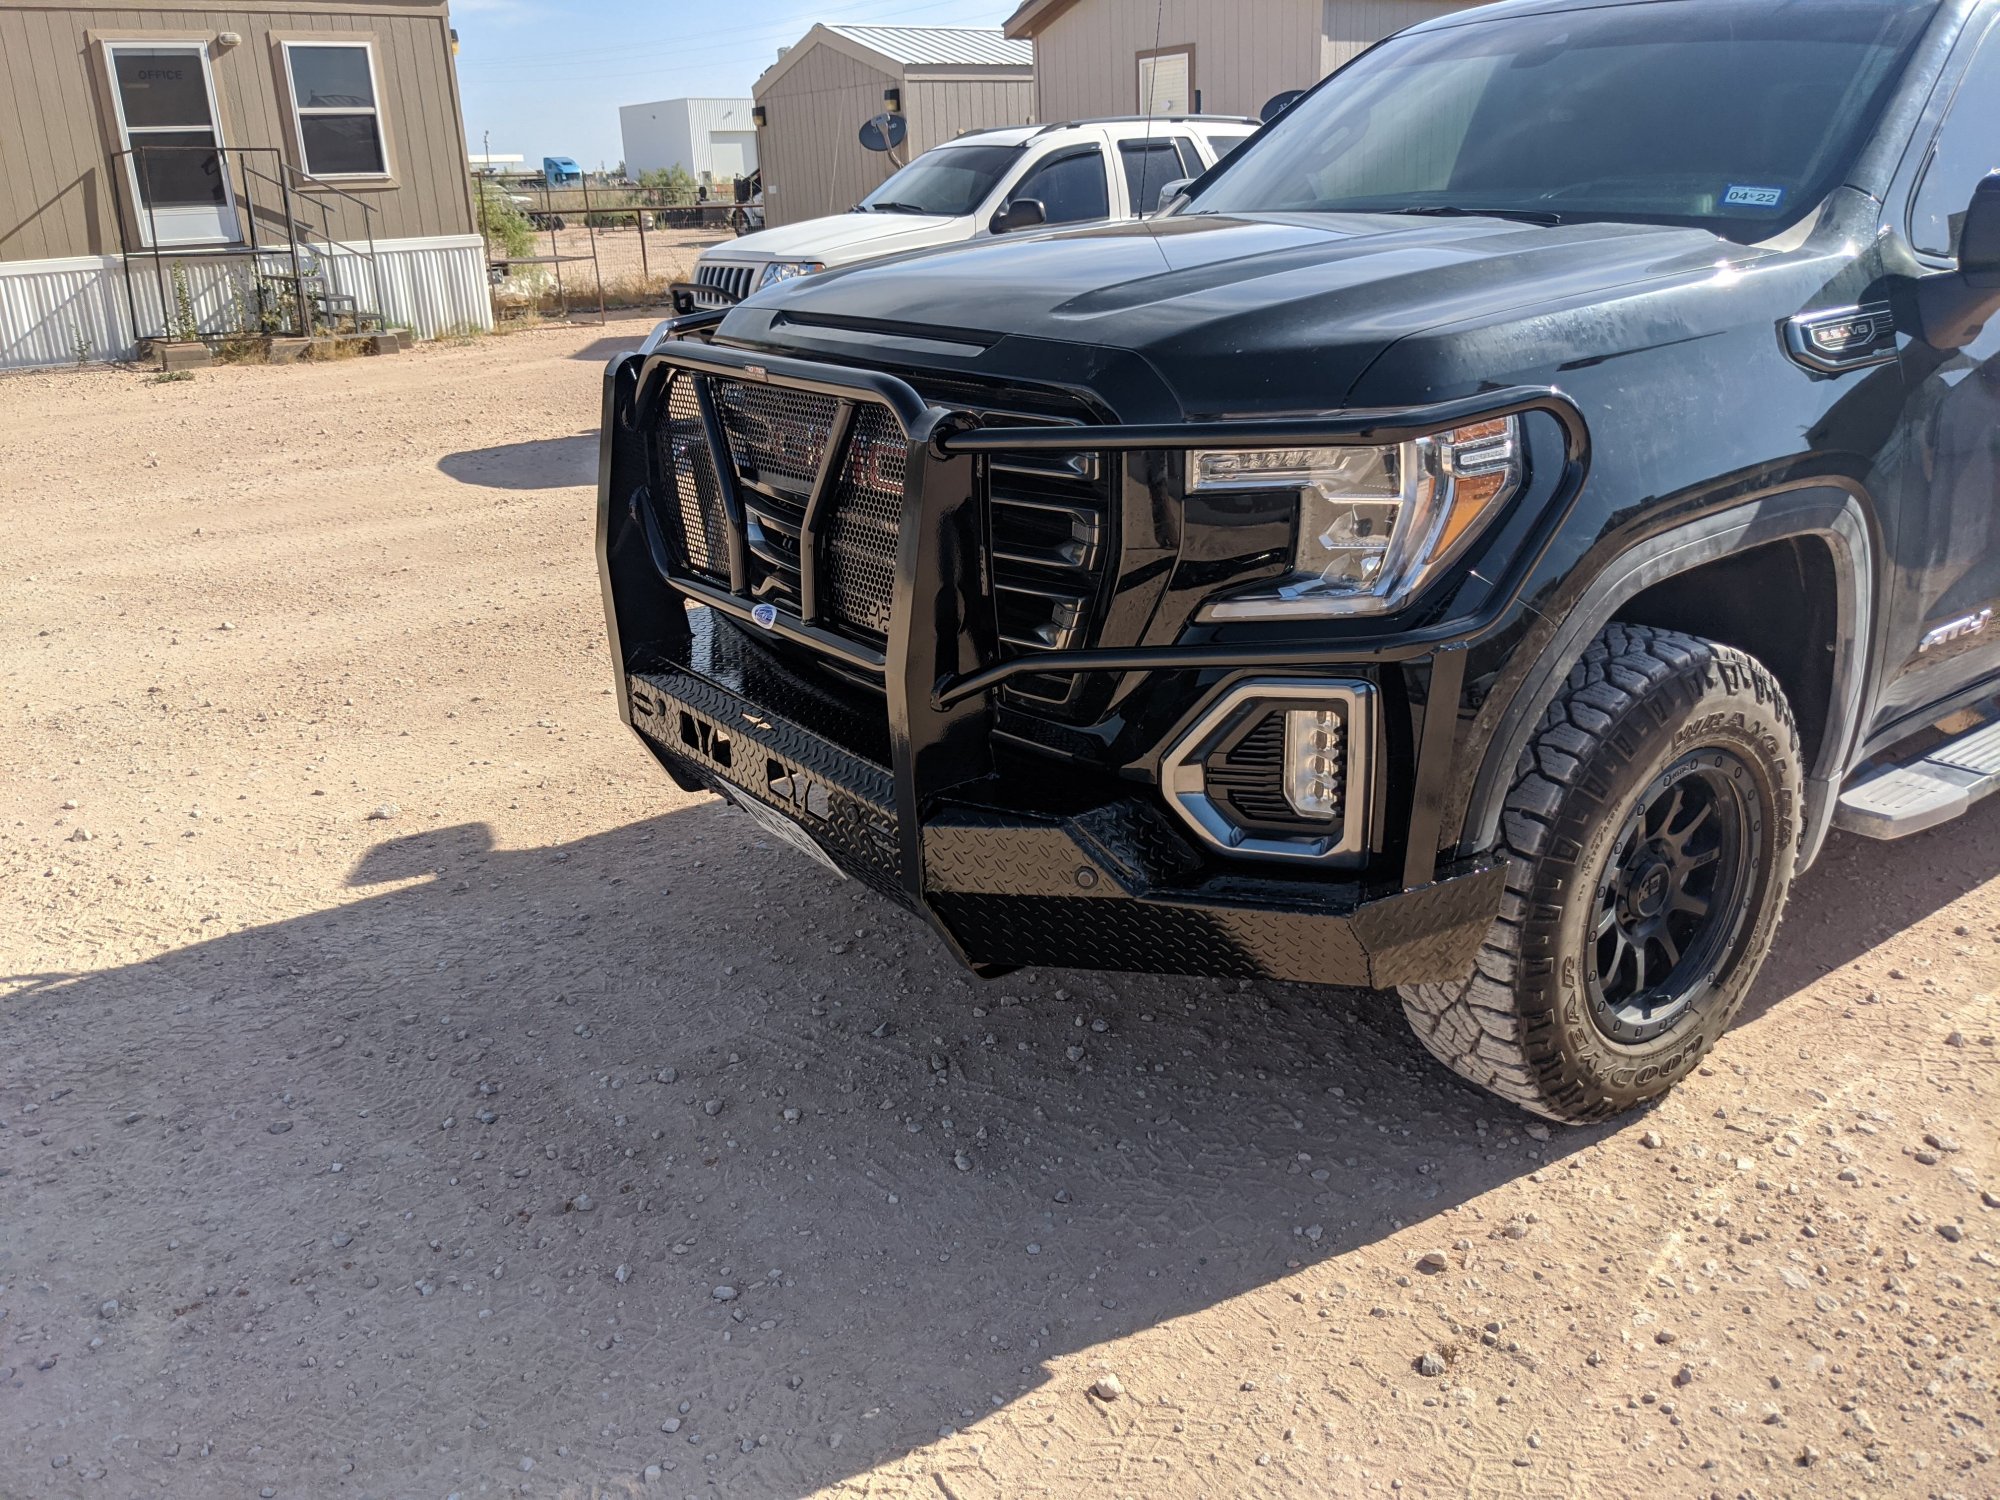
(1009, 869)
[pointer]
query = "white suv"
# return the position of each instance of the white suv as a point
(987, 182)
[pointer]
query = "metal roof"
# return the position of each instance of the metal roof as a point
(929, 46)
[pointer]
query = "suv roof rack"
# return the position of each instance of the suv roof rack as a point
(1150, 120)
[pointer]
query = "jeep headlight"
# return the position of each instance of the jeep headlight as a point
(786, 270)
(1374, 524)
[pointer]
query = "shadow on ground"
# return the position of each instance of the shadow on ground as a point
(706, 1065)
(543, 464)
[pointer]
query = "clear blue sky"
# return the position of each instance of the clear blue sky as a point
(546, 77)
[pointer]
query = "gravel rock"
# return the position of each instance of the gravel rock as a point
(622, 1275)
(1684, 1376)
(1433, 1261)
(724, 1294)
(582, 1203)
(109, 1308)
(962, 1161)
(1950, 1232)
(384, 813)
(1651, 1140)
(1108, 1388)
(1430, 1365)
(279, 1127)
(711, 1107)
(667, 1075)
(672, 1424)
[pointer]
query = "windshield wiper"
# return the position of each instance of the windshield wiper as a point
(1453, 211)
(901, 208)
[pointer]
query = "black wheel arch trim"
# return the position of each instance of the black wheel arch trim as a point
(1815, 509)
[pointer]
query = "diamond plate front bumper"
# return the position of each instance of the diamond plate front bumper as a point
(1105, 885)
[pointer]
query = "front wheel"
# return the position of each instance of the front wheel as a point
(1650, 836)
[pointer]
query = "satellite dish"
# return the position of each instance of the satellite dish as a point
(1277, 104)
(885, 132)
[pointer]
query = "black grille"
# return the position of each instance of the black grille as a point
(1049, 514)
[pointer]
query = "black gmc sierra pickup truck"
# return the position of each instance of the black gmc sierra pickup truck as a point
(1476, 541)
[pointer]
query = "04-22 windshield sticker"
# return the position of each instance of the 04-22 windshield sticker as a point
(1750, 195)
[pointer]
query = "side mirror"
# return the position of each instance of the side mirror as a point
(1172, 191)
(1955, 305)
(1979, 239)
(1020, 213)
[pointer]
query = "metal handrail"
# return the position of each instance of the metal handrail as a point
(234, 161)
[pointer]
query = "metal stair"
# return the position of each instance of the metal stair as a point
(1895, 801)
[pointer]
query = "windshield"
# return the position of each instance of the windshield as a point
(951, 181)
(1738, 116)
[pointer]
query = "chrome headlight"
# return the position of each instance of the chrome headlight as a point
(1374, 524)
(786, 270)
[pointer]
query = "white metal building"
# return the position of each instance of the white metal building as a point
(816, 97)
(1116, 57)
(706, 138)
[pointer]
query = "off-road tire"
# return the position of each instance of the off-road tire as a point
(1639, 704)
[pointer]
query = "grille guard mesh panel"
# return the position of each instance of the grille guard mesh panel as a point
(862, 535)
(689, 467)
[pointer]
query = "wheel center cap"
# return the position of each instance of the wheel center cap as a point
(1649, 892)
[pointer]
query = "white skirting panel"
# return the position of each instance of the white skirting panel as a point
(53, 312)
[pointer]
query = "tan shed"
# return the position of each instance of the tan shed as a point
(812, 103)
(1120, 57)
(209, 169)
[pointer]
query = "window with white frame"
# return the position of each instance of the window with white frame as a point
(338, 108)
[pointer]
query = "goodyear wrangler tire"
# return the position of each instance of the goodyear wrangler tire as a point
(1651, 837)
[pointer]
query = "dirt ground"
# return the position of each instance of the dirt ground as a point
(405, 1091)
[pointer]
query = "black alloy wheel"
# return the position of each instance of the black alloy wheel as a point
(1670, 904)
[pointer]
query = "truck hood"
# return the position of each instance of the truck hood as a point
(839, 238)
(1254, 313)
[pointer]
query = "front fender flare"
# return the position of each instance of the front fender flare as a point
(1813, 509)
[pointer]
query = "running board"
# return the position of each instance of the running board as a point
(1893, 802)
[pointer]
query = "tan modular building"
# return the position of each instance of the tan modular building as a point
(159, 167)
(812, 103)
(1118, 57)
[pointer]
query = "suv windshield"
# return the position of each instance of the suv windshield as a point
(1738, 116)
(951, 181)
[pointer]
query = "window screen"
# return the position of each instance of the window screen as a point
(340, 119)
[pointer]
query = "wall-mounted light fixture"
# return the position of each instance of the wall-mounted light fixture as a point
(759, 116)
(228, 39)
(892, 101)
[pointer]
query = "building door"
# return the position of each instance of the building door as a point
(165, 102)
(732, 154)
